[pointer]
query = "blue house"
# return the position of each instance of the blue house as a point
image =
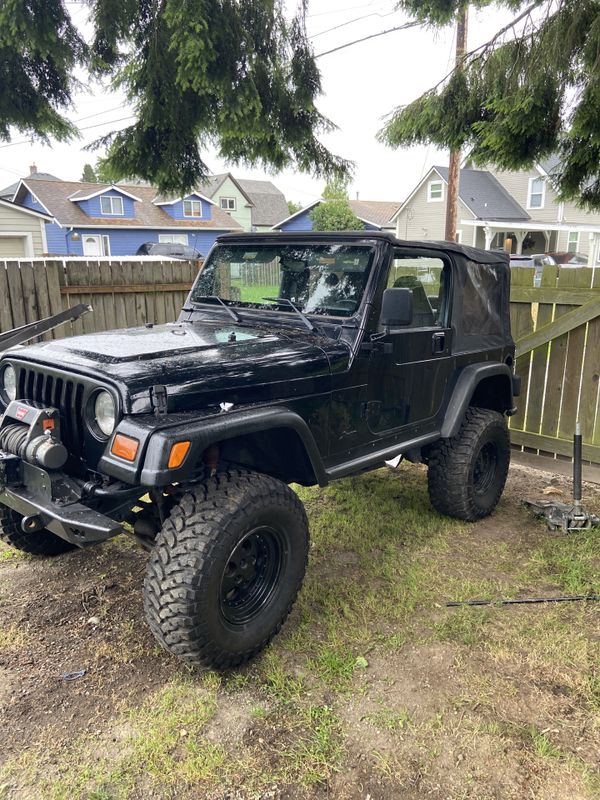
(92, 219)
(374, 214)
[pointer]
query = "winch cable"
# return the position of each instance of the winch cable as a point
(13, 438)
(524, 601)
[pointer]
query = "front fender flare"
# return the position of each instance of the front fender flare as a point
(204, 432)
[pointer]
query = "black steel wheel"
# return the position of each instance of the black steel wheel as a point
(251, 575)
(467, 473)
(36, 543)
(226, 568)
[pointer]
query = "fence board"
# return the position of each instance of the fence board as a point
(15, 288)
(590, 379)
(556, 369)
(572, 379)
(521, 325)
(539, 357)
(6, 315)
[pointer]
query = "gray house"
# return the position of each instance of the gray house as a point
(495, 205)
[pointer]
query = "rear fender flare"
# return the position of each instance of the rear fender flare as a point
(468, 381)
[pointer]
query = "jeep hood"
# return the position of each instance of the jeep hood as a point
(197, 362)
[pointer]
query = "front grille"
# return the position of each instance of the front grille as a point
(62, 393)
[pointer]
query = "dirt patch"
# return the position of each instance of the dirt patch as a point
(498, 704)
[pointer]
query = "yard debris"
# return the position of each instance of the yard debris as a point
(73, 676)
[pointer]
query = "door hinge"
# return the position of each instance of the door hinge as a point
(159, 399)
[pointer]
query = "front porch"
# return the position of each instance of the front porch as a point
(534, 237)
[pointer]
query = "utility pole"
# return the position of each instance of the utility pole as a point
(454, 165)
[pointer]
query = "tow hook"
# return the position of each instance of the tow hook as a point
(32, 524)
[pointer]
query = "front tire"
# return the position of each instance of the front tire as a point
(467, 473)
(226, 568)
(36, 543)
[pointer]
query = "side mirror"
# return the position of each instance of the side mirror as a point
(396, 308)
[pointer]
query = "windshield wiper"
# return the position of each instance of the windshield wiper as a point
(228, 309)
(302, 316)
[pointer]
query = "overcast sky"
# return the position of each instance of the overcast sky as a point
(361, 85)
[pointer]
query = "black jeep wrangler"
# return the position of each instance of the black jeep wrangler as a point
(298, 358)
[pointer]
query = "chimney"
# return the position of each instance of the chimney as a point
(32, 169)
(357, 195)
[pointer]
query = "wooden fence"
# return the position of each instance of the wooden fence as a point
(122, 292)
(556, 327)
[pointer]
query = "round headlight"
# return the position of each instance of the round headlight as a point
(9, 382)
(105, 413)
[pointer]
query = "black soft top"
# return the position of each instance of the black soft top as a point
(469, 253)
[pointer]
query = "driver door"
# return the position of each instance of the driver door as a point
(410, 366)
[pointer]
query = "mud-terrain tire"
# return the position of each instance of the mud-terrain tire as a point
(37, 543)
(226, 568)
(467, 473)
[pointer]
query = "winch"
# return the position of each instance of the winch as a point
(33, 434)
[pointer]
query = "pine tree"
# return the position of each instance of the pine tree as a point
(532, 91)
(237, 76)
(88, 175)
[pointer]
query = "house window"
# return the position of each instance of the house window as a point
(192, 208)
(537, 191)
(435, 191)
(111, 205)
(173, 238)
(573, 242)
(458, 237)
(105, 246)
(228, 203)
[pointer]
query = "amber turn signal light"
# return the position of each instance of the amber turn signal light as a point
(124, 447)
(178, 453)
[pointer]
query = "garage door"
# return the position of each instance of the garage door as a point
(12, 246)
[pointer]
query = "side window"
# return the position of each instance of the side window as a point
(428, 279)
(482, 300)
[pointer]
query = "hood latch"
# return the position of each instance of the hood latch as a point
(159, 399)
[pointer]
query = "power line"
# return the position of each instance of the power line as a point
(351, 22)
(85, 128)
(365, 38)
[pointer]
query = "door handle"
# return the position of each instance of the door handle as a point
(438, 342)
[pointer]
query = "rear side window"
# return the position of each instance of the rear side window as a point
(482, 300)
(428, 279)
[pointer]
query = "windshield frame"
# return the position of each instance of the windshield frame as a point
(273, 311)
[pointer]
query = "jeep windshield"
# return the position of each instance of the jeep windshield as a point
(324, 279)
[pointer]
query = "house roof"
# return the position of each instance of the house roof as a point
(54, 196)
(269, 202)
(9, 192)
(379, 212)
(86, 194)
(485, 196)
(375, 212)
(214, 182)
(22, 209)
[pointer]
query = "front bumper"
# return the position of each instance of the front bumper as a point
(51, 501)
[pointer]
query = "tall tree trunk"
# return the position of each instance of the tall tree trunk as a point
(454, 165)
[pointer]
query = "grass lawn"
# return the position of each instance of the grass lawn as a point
(373, 688)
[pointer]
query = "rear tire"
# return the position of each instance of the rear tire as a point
(226, 568)
(37, 543)
(467, 473)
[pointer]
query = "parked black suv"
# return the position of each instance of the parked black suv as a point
(170, 249)
(298, 358)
